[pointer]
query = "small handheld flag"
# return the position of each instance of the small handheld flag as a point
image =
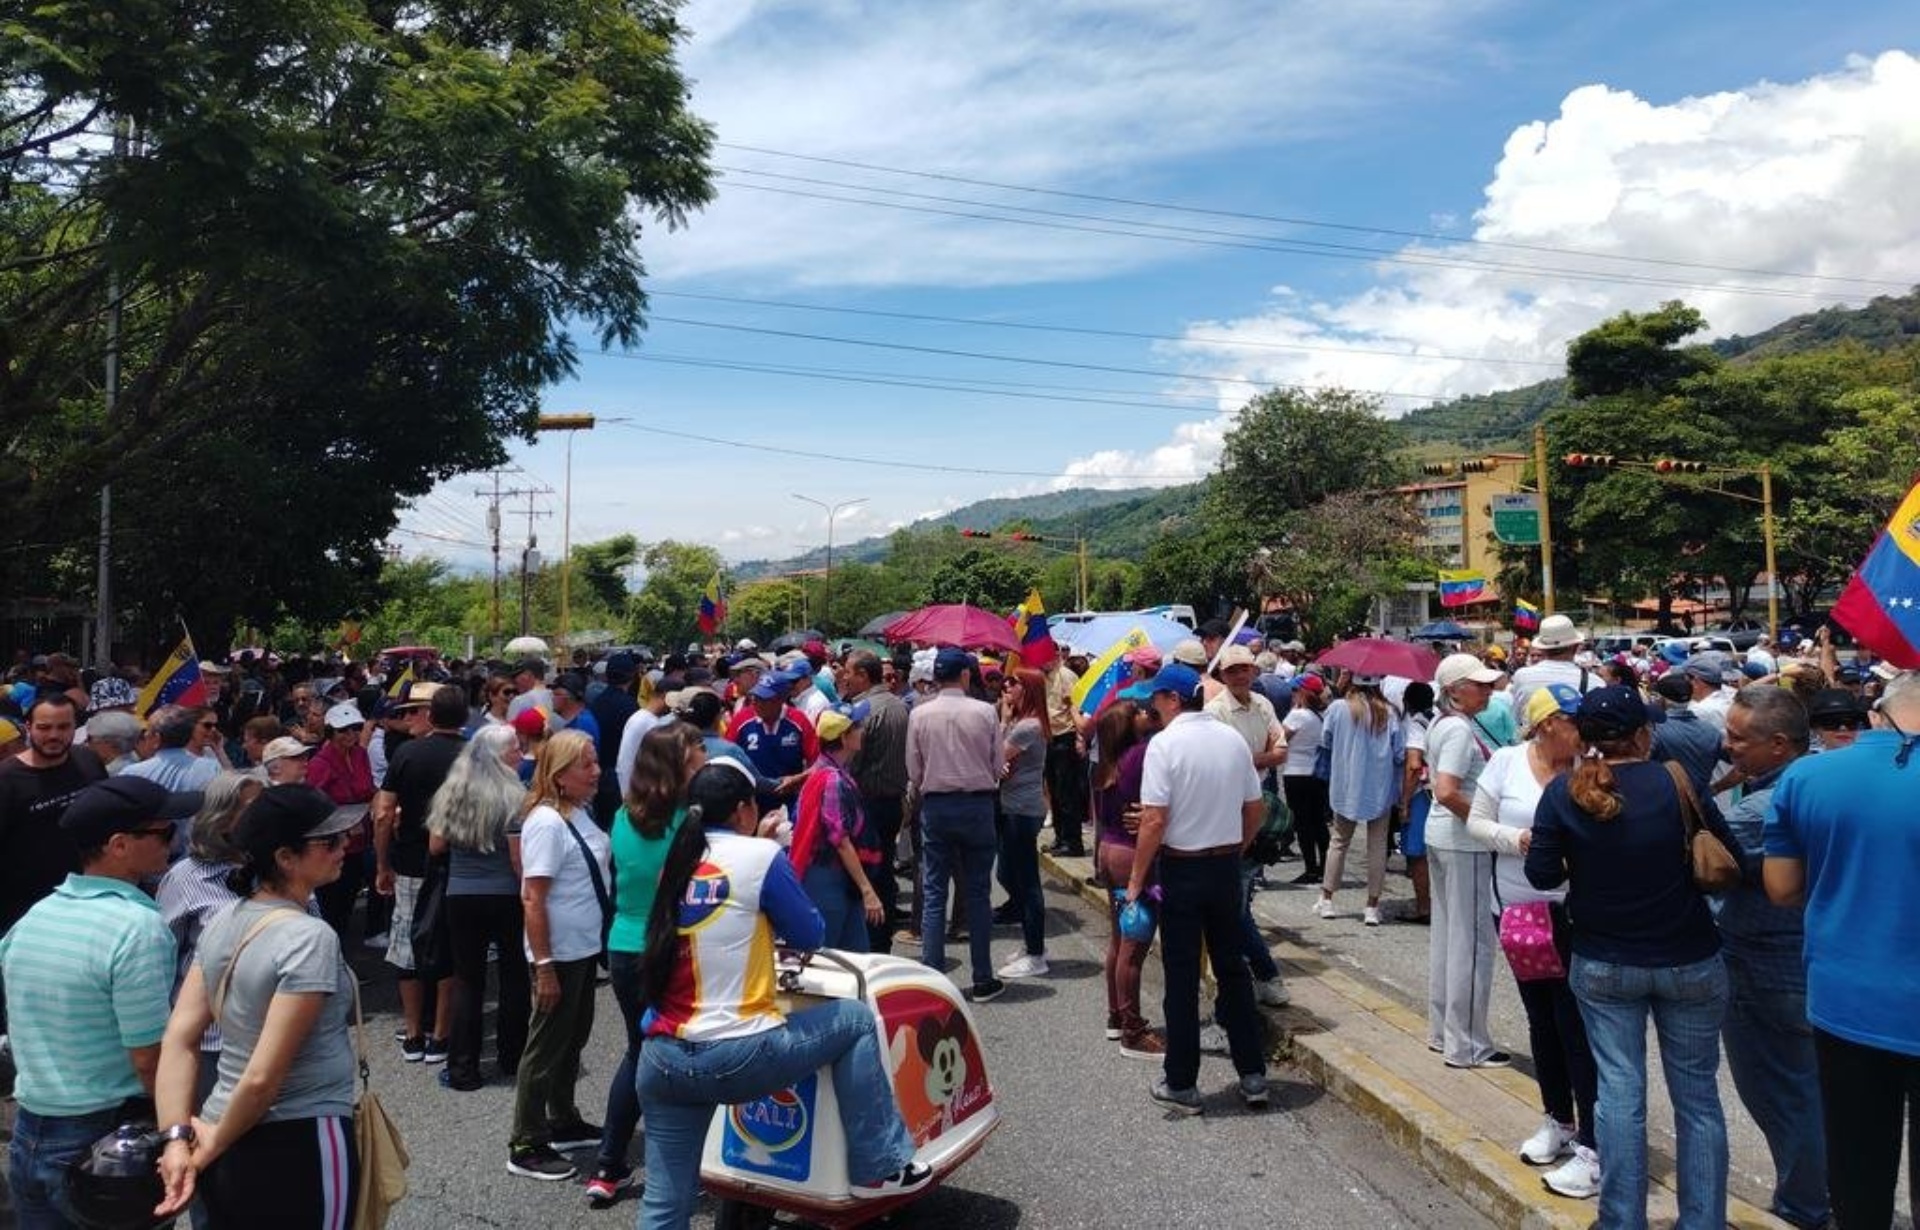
(1526, 616)
(1030, 627)
(713, 607)
(1106, 672)
(177, 682)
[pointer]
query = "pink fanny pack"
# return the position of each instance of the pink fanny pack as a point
(1526, 936)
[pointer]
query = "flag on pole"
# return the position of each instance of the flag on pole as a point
(397, 690)
(1107, 672)
(1030, 628)
(1881, 603)
(177, 682)
(1526, 616)
(1459, 587)
(713, 607)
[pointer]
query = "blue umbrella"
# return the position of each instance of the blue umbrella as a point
(1441, 630)
(1096, 634)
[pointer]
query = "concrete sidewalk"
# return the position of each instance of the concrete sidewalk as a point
(1363, 1038)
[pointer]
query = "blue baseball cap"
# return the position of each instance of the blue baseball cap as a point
(949, 662)
(1614, 712)
(1176, 677)
(772, 686)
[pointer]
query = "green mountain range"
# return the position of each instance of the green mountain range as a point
(1121, 524)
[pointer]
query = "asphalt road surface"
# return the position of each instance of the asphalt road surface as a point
(1080, 1143)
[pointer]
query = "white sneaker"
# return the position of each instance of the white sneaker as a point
(1552, 1142)
(1270, 993)
(1213, 1039)
(1578, 1177)
(1323, 908)
(1372, 916)
(1026, 965)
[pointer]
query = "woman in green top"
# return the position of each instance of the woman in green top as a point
(643, 830)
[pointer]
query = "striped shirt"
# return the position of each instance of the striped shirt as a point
(191, 895)
(87, 973)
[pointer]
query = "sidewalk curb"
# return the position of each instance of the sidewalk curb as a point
(1485, 1173)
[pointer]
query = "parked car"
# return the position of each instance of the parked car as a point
(1744, 633)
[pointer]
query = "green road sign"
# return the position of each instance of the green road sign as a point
(1516, 519)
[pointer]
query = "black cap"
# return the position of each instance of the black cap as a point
(1835, 705)
(573, 683)
(120, 805)
(622, 667)
(286, 815)
(1614, 713)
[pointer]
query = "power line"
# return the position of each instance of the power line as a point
(1089, 332)
(462, 542)
(1320, 223)
(1006, 358)
(1300, 247)
(886, 462)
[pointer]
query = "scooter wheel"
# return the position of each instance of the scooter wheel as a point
(739, 1215)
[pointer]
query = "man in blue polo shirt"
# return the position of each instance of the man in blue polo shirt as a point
(1841, 836)
(88, 971)
(776, 737)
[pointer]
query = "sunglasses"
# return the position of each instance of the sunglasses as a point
(332, 841)
(165, 832)
(208, 725)
(1841, 724)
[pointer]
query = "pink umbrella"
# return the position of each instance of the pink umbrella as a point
(1367, 655)
(968, 627)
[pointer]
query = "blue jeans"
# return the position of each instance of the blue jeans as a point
(957, 834)
(831, 889)
(1687, 1003)
(1200, 900)
(1020, 867)
(681, 1083)
(623, 1099)
(44, 1146)
(1770, 1051)
(1254, 945)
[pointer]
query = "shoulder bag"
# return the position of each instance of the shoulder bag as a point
(1714, 868)
(599, 886)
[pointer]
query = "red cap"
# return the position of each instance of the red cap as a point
(530, 722)
(1312, 683)
(814, 649)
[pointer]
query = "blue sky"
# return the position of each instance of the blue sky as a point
(1771, 138)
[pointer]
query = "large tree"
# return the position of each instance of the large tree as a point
(345, 235)
(1291, 448)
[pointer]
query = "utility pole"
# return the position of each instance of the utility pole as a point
(826, 589)
(103, 582)
(569, 423)
(529, 563)
(494, 499)
(1546, 517)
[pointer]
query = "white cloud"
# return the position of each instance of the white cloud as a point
(1810, 177)
(1080, 94)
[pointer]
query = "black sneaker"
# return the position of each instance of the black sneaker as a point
(910, 1179)
(576, 1135)
(436, 1051)
(984, 991)
(539, 1162)
(413, 1049)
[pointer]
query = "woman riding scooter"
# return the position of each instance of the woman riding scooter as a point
(716, 1037)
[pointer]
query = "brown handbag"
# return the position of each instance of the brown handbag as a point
(1715, 869)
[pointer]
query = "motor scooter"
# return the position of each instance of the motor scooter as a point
(786, 1152)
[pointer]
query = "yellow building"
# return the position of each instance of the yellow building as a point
(1456, 514)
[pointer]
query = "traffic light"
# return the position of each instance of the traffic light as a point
(1023, 536)
(1668, 465)
(1581, 460)
(1481, 466)
(976, 533)
(1439, 469)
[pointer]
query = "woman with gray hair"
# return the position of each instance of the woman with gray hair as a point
(195, 889)
(483, 791)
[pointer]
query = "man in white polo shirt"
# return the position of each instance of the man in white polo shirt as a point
(1252, 717)
(1200, 806)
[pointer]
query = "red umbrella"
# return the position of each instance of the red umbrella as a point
(1368, 655)
(968, 627)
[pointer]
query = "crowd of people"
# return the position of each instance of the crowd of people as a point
(502, 819)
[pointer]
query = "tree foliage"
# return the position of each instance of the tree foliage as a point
(1292, 448)
(345, 233)
(983, 577)
(666, 611)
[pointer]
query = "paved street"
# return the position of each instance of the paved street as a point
(1080, 1142)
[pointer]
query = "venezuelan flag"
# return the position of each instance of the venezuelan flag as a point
(1459, 587)
(397, 690)
(1030, 628)
(1526, 616)
(177, 682)
(1107, 672)
(1881, 603)
(713, 607)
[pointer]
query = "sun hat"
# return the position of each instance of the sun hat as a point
(1558, 632)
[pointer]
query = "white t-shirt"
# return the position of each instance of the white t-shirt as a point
(1303, 740)
(1508, 795)
(541, 696)
(573, 908)
(1455, 747)
(1201, 771)
(642, 721)
(813, 703)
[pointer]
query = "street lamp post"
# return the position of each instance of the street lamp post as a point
(569, 423)
(832, 511)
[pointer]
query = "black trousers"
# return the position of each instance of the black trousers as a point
(884, 816)
(476, 922)
(1201, 901)
(297, 1173)
(1865, 1093)
(1307, 800)
(1563, 1063)
(1066, 773)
